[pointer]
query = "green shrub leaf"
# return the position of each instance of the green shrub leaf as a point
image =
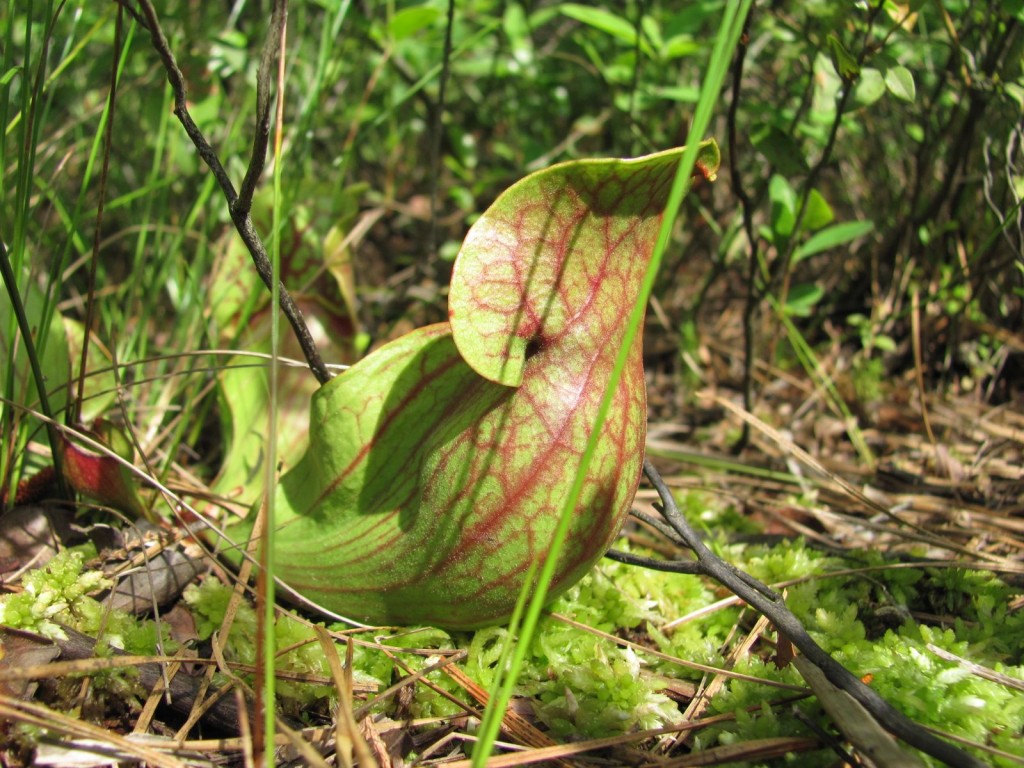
(618, 27)
(900, 83)
(833, 237)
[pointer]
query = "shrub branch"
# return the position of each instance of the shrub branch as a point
(240, 205)
(770, 604)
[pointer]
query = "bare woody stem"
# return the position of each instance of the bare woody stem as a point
(240, 204)
(771, 605)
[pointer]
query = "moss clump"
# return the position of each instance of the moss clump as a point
(57, 596)
(935, 692)
(53, 595)
(209, 604)
(298, 652)
(584, 685)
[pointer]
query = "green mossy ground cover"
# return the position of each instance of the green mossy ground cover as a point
(584, 685)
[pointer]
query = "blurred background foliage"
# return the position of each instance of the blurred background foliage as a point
(870, 190)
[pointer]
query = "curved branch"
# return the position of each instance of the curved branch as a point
(240, 205)
(688, 567)
(771, 605)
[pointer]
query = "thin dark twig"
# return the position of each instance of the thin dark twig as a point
(771, 605)
(827, 738)
(239, 206)
(782, 266)
(747, 207)
(135, 14)
(261, 138)
(438, 126)
(177, 81)
(659, 525)
(690, 567)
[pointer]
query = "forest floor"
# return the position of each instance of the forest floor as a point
(946, 486)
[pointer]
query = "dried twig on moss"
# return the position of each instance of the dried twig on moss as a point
(771, 605)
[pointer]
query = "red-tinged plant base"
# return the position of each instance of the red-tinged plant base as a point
(438, 466)
(100, 476)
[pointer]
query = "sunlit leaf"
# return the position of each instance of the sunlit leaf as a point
(783, 200)
(803, 298)
(845, 64)
(679, 47)
(818, 212)
(833, 237)
(617, 26)
(684, 94)
(870, 87)
(517, 30)
(900, 83)
(650, 27)
(408, 21)
(885, 343)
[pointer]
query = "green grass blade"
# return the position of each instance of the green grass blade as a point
(11, 284)
(278, 221)
(728, 35)
(823, 379)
